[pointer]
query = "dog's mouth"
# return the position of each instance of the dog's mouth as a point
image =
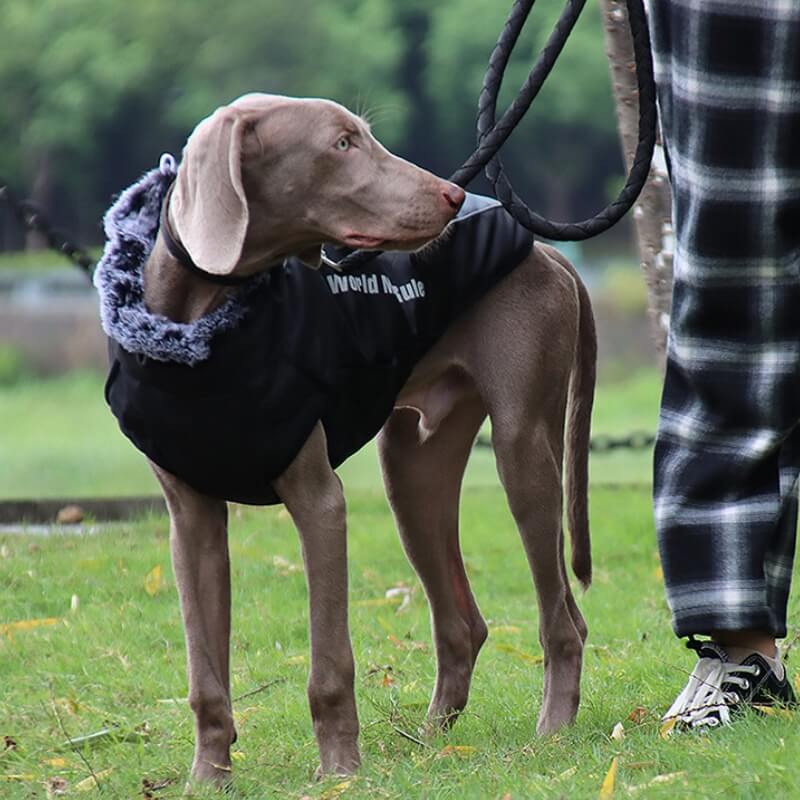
(362, 242)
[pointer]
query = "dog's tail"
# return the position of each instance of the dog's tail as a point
(581, 398)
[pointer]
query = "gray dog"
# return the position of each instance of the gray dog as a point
(264, 182)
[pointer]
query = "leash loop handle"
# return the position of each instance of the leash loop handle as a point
(489, 132)
(493, 134)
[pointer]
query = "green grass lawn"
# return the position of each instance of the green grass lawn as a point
(118, 660)
(58, 439)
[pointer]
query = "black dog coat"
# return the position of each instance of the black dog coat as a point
(226, 403)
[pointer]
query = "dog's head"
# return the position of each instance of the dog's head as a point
(270, 176)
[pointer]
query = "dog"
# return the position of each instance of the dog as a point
(263, 183)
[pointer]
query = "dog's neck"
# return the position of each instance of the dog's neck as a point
(182, 294)
(173, 291)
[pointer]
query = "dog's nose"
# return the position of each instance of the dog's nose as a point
(454, 195)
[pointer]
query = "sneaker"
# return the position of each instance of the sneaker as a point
(718, 687)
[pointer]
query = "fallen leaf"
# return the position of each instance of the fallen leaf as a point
(19, 776)
(388, 680)
(297, 660)
(70, 515)
(638, 715)
(402, 592)
(68, 704)
(505, 629)
(567, 773)
(774, 711)
(656, 781)
(152, 581)
(284, 566)
(237, 755)
(462, 750)
(148, 787)
(618, 732)
(335, 791)
(667, 777)
(666, 727)
(10, 628)
(9, 743)
(607, 787)
(93, 781)
(528, 658)
(56, 762)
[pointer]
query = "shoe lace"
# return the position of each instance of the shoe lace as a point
(706, 700)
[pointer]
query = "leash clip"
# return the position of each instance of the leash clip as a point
(329, 262)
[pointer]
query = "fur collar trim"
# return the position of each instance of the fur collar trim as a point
(131, 226)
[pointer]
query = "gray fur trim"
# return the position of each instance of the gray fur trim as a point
(131, 226)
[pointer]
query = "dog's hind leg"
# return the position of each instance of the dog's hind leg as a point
(199, 544)
(529, 456)
(423, 484)
(532, 358)
(313, 496)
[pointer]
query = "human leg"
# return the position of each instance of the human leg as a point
(727, 459)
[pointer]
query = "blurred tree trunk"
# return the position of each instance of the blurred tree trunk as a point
(652, 213)
(41, 192)
(414, 20)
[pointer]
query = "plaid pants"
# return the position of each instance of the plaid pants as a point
(728, 450)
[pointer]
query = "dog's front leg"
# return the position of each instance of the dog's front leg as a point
(199, 543)
(313, 496)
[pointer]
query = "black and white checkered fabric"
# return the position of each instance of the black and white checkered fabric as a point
(728, 450)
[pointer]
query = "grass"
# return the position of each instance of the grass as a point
(118, 661)
(115, 662)
(39, 260)
(59, 439)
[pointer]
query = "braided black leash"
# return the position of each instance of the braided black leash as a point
(487, 129)
(492, 135)
(32, 218)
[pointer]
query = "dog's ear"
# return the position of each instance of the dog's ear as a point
(209, 208)
(312, 257)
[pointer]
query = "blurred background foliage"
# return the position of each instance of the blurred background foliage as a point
(93, 91)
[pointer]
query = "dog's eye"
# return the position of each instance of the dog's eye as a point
(343, 144)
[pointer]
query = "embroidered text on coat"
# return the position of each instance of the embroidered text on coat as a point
(369, 284)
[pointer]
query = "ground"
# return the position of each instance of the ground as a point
(109, 655)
